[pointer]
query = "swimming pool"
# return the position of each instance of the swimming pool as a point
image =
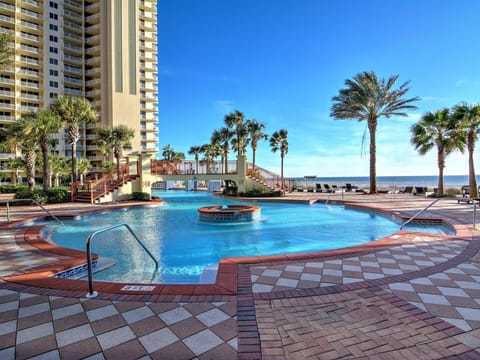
(184, 246)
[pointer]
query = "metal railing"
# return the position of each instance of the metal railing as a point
(91, 293)
(418, 213)
(36, 203)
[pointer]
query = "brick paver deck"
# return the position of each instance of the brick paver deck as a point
(411, 295)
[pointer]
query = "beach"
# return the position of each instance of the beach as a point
(387, 182)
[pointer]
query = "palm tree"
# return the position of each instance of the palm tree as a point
(59, 167)
(222, 137)
(118, 139)
(469, 117)
(255, 131)
(167, 152)
(19, 136)
(74, 111)
(6, 51)
(211, 152)
(196, 151)
(437, 130)
(367, 97)
(41, 126)
(83, 167)
(279, 142)
(235, 122)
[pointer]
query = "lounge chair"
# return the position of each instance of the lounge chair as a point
(350, 187)
(407, 190)
(318, 188)
(420, 190)
(328, 188)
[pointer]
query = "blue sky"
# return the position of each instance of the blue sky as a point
(282, 61)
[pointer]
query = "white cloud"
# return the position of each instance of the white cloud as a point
(224, 106)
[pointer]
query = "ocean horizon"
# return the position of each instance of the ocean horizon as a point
(431, 181)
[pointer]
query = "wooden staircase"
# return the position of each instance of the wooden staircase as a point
(263, 177)
(92, 190)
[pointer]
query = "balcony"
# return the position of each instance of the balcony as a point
(94, 29)
(73, 16)
(29, 25)
(6, 19)
(73, 48)
(93, 19)
(71, 58)
(4, 81)
(93, 40)
(6, 119)
(93, 8)
(73, 5)
(7, 93)
(6, 8)
(30, 84)
(30, 96)
(5, 106)
(93, 83)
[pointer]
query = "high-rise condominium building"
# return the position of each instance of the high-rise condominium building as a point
(103, 50)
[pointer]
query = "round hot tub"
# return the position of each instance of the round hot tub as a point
(230, 213)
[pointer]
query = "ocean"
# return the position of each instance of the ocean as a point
(399, 182)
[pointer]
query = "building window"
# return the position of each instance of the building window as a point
(53, 95)
(53, 50)
(53, 4)
(53, 61)
(54, 84)
(53, 38)
(53, 16)
(53, 27)
(53, 72)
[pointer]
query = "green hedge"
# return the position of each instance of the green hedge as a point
(140, 196)
(53, 195)
(12, 188)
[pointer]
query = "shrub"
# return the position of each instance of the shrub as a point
(140, 196)
(58, 195)
(38, 195)
(12, 188)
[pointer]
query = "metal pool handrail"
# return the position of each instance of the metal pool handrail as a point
(418, 213)
(36, 203)
(91, 293)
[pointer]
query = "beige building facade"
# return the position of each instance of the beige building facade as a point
(105, 51)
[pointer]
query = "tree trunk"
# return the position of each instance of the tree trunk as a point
(47, 181)
(74, 162)
(441, 166)
(253, 160)
(226, 162)
(281, 169)
(472, 181)
(30, 169)
(372, 128)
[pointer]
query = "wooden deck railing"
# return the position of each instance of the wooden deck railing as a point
(190, 167)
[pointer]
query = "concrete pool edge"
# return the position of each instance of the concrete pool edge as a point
(229, 277)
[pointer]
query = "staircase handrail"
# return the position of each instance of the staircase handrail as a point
(91, 292)
(418, 213)
(36, 203)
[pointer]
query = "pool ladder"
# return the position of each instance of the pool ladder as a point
(91, 293)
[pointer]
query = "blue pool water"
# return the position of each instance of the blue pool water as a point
(184, 246)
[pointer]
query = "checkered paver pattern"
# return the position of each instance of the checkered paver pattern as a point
(363, 324)
(453, 295)
(419, 253)
(70, 328)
